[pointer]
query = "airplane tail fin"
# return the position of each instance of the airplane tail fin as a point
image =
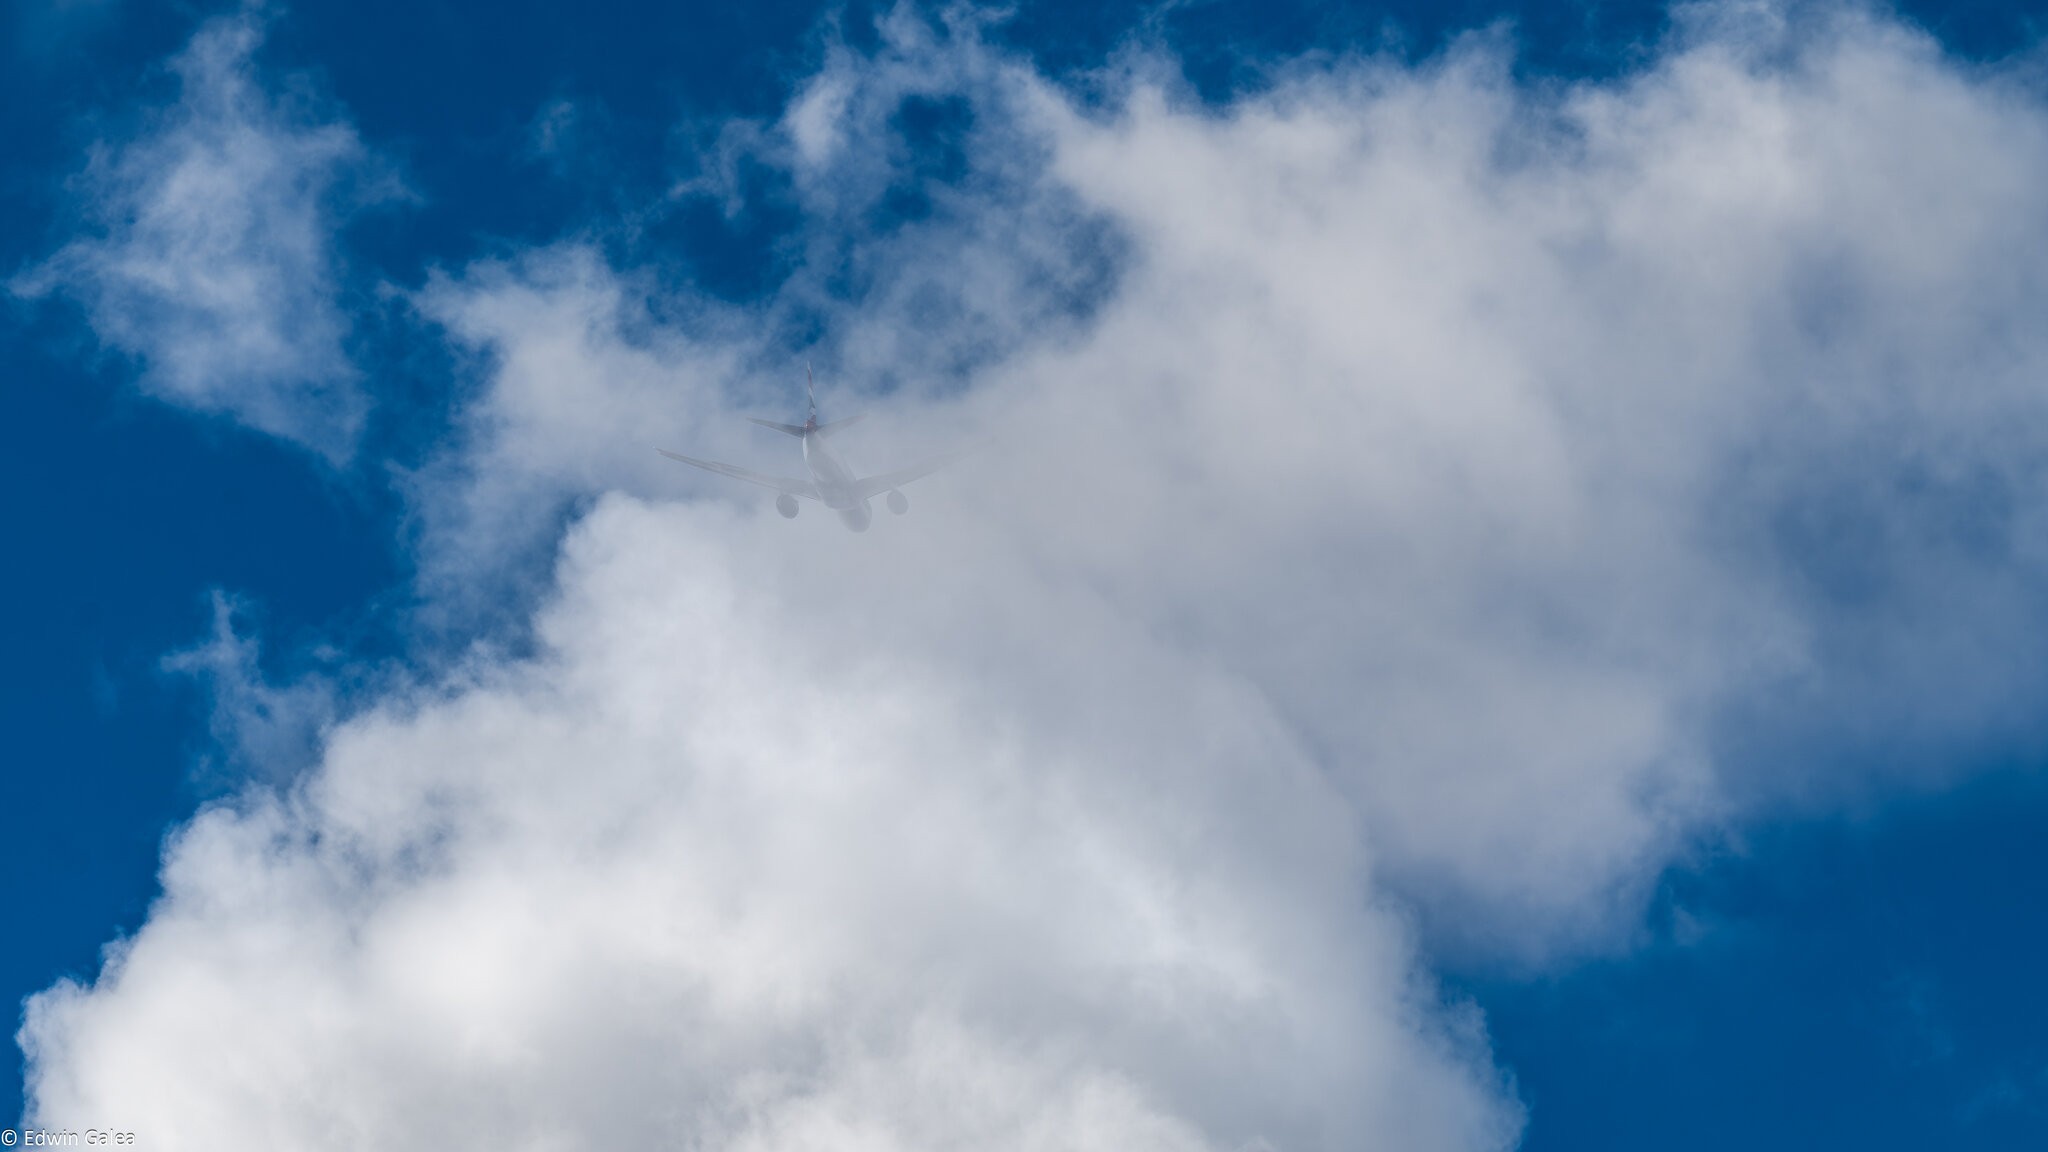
(811, 423)
(791, 429)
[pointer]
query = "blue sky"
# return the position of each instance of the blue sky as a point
(1685, 734)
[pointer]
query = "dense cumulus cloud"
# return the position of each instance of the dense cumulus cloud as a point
(210, 256)
(737, 860)
(1410, 501)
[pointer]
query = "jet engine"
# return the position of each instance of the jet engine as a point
(898, 502)
(786, 504)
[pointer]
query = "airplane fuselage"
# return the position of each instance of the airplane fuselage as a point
(837, 486)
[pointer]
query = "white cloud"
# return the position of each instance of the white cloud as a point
(716, 867)
(1448, 498)
(1575, 468)
(212, 257)
(1513, 438)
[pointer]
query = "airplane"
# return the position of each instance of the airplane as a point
(832, 483)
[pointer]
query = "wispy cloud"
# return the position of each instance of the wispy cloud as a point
(261, 728)
(209, 251)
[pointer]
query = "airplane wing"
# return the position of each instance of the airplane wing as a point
(794, 487)
(876, 485)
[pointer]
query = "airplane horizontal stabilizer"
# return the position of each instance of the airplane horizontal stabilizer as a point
(836, 425)
(790, 429)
